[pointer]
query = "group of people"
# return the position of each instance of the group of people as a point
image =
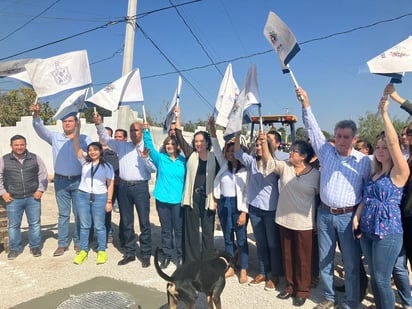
(358, 196)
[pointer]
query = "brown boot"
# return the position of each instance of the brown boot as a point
(230, 272)
(243, 276)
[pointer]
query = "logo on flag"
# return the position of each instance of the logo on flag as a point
(61, 74)
(65, 72)
(282, 40)
(125, 90)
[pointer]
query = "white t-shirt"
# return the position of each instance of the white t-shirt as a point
(102, 172)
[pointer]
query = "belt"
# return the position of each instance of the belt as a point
(75, 177)
(133, 182)
(338, 211)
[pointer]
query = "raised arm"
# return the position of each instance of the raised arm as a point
(38, 125)
(404, 104)
(78, 151)
(400, 170)
(148, 143)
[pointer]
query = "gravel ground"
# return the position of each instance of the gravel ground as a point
(27, 278)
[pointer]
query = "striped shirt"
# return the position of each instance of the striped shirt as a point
(341, 178)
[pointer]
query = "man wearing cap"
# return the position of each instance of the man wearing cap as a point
(67, 172)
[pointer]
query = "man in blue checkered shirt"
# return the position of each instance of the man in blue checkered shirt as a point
(343, 173)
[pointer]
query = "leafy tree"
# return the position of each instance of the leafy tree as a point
(16, 103)
(88, 113)
(370, 125)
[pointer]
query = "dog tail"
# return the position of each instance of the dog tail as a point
(160, 272)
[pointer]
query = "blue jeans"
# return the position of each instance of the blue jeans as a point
(15, 210)
(228, 216)
(171, 223)
(401, 277)
(332, 228)
(88, 213)
(381, 255)
(66, 191)
(267, 238)
(131, 196)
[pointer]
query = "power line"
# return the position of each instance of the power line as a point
(196, 38)
(177, 70)
(110, 23)
(30, 20)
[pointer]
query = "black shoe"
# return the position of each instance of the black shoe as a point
(164, 263)
(283, 295)
(298, 301)
(126, 260)
(146, 262)
(13, 254)
(36, 252)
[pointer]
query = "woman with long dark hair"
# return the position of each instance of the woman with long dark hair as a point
(94, 198)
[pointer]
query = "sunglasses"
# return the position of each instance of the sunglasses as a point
(409, 132)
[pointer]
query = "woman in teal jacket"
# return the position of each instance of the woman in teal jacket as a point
(168, 191)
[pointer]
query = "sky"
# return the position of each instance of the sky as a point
(199, 38)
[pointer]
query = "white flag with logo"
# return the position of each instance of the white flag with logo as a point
(282, 40)
(72, 105)
(69, 71)
(171, 108)
(394, 61)
(226, 97)
(125, 90)
(248, 97)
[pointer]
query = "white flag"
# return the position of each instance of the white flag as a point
(16, 69)
(171, 108)
(127, 89)
(132, 90)
(64, 72)
(393, 61)
(282, 40)
(72, 105)
(248, 97)
(226, 97)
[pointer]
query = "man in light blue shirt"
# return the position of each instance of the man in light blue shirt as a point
(135, 168)
(67, 172)
(343, 173)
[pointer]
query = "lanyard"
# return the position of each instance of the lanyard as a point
(93, 172)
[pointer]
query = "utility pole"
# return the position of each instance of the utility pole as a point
(129, 38)
(122, 114)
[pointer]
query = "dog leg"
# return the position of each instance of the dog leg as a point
(172, 296)
(209, 302)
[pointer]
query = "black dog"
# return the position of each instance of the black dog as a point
(199, 276)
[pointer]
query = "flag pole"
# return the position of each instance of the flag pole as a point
(295, 82)
(144, 113)
(260, 117)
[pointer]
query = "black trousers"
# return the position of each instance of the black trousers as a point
(195, 217)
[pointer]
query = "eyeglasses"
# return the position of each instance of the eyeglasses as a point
(293, 150)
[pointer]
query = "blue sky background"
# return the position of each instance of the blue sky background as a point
(230, 31)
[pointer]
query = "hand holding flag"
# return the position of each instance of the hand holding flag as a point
(170, 116)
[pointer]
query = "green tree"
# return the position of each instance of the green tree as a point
(16, 103)
(370, 125)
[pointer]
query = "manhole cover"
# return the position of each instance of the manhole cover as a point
(99, 300)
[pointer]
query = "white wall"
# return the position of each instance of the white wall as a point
(38, 146)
